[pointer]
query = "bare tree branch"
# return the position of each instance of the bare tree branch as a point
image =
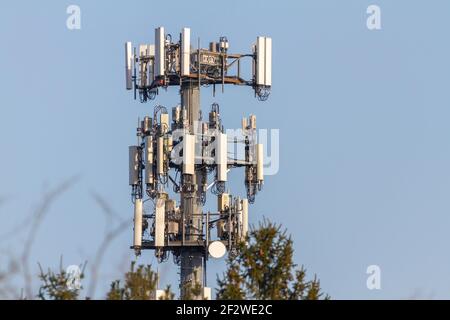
(18, 228)
(38, 217)
(107, 210)
(111, 234)
(7, 291)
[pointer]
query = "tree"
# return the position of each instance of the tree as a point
(59, 285)
(192, 291)
(262, 268)
(140, 284)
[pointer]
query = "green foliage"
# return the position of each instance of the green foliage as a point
(115, 292)
(232, 285)
(140, 284)
(168, 294)
(56, 286)
(261, 268)
(192, 292)
(264, 269)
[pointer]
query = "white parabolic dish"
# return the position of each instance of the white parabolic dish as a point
(217, 249)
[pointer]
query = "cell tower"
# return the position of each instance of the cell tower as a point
(190, 156)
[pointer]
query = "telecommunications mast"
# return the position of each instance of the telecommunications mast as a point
(189, 156)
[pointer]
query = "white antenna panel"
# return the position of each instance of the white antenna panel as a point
(159, 222)
(252, 121)
(185, 51)
(151, 65)
(160, 156)
(137, 223)
(148, 159)
(239, 216)
(260, 61)
(142, 66)
(207, 293)
(244, 218)
(142, 50)
(223, 201)
(222, 157)
(128, 65)
(146, 50)
(188, 154)
(151, 50)
(164, 121)
(160, 52)
(244, 124)
(264, 61)
(268, 63)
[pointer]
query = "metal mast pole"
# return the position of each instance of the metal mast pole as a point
(191, 268)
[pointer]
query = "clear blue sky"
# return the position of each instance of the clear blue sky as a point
(363, 118)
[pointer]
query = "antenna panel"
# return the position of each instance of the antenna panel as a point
(244, 218)
(149, 160)
(207, 293)
(146, 50)
(160, 52)
(268, 63)
(133, 152)
(264, 61)
(151, 63)
(159, 222)
(146, 68)
(252, 121)
(164, 121)
(160, 156)
(260, 61)
(223, 202)
(128, 66)
(244, 124)
(189, 154)
(222, 157)
(185, 51)
(137, 223)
